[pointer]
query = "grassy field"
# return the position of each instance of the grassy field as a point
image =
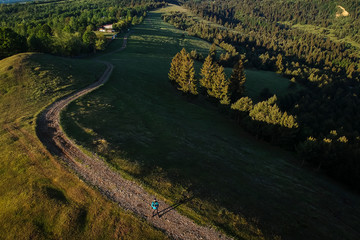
(178, 148)
(39, 199)
(176, 8)
(257, 80)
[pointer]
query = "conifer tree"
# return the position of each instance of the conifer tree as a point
(237, 81)
(220, 86)
(192, 81)
(186, 80)
(279, 63)
(174, 72)
(244, 104)
(212, 51)
(350, 70)
(269, 112)
(207, 73)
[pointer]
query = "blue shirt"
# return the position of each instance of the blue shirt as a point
(155, 205)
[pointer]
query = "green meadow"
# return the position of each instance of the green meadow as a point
(39, 197)
(180, 148)
(257, 80)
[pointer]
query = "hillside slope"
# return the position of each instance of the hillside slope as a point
(39, 199)
(179, 147)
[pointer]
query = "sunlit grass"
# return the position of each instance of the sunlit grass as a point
(39, 198)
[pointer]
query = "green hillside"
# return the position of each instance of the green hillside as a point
(185, 148)
(39, 198)
(214, 164)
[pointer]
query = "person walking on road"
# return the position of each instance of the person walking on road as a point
(155, 207)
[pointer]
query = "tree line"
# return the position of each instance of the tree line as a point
(326, 73)
(318, 13)
(65, 29)
(265, 117)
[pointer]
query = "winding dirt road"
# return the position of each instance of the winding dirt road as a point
(97, 173)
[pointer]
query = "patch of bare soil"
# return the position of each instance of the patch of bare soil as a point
(341, 12)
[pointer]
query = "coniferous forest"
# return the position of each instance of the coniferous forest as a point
(320, 120)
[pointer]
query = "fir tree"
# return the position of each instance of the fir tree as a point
(220, 86)
(350, 70)
(207, 73)
(244, 104)
(237, 81)
(269, 112)
(212, 51)
(186, 80)
(279, 63)
(174, 72)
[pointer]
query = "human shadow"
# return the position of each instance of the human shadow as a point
(172, 207)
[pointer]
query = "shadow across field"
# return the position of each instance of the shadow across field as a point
(143, 127)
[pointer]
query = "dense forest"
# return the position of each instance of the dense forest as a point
(320, 119)
(319, 12)
(65, 27)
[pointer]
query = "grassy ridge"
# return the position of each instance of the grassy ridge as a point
(179, 148)
(39, 199)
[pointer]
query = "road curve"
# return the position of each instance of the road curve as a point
(128, 194)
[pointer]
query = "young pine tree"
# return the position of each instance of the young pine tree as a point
(244, 104)
(174, 72)
(220, 86)
(237, 81)
(206, 73)
(186, 80)
(212, 51)
(279, 63)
